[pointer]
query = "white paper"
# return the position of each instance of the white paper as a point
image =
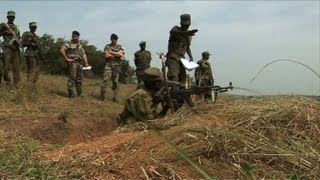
(87, 68)
(189, 65)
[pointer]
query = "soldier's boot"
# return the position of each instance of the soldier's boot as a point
(102, 95)
(115, 96)
(71, 94)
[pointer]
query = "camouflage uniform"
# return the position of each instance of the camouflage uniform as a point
(74, 51)
(32, 54)
(11, 51)
(111, 71)
(179, 42)
(140, 105)
(142, 60)
(203, 74)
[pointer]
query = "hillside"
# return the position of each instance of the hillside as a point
(43, 134)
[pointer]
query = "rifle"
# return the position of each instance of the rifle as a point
(163, 60)
(180, 95)
(15, 37)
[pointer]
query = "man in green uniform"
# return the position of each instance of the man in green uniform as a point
(75, 55)
(178, 45)
(114, 54)
(203, 73)
(11, 40)
(140, 105)
(142, 61)
(33, 53)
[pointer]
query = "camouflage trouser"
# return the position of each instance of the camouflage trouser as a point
(111, 71)
(140, 74)
(75, 77)
(176, 70)
(11, 56)
(33, 69)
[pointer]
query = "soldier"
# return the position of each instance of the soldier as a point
(178, 45)
(11, 40)
(140, 105)
(203, 73)
(114, 54)
(33, 53)
(142, 60)
(75, 55)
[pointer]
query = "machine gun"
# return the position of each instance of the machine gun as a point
(178, 96)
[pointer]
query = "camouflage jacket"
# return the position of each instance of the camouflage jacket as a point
(32, 42)
(204, 71)
(140, 105)
(7, 36)
(178, 43)
(142, 61)
(111, 48)
(74, 50)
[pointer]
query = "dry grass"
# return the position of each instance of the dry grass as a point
(259, 137)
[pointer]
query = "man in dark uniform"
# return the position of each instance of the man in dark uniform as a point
(178, 45)
(33, 53)
(142, 61)
(203, 73)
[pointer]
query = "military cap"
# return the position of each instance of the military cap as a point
(114, 36)
(32, 24)
(153, 73)
(185, 19)
(75, 33)
(206, 53)
(142, 43)
(11, 13)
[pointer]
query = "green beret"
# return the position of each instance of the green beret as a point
(142, 42)
(32, 24)
(11, 13)
(153, 73)
(185, 19)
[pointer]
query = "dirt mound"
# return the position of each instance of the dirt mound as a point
(65, 127)
(249, 138)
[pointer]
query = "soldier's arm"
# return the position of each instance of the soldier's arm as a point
(27, 40)
(63, 52)
(85, 58)
(189, 53)
(136, 59)
(176, 31)
(118, 54)
(149, 56)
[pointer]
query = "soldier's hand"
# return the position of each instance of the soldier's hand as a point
(193, 31)
(69, 60)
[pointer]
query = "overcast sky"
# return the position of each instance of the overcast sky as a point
(242, 35)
